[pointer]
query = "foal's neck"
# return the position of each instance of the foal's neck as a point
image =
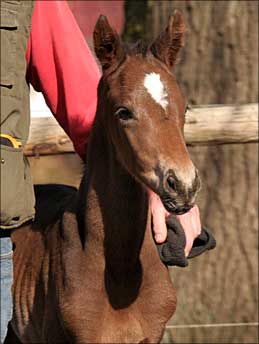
(116, 210)
(122, 257)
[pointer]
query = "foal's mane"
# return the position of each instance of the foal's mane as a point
(138, 48)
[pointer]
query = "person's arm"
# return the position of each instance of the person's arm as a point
(62, 67)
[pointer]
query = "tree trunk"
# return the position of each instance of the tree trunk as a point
(219, 64)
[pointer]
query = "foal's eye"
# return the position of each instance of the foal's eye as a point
(123, 114)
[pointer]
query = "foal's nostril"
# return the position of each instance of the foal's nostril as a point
(171, 182)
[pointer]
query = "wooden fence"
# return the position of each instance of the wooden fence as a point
(205, 125)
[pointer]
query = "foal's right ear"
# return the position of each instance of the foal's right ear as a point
(167, 46)
(107, 43)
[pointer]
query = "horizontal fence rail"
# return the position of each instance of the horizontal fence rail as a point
(205, 125)
(240, 324)
(222, 124)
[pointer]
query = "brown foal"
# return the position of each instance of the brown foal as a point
(94, 276)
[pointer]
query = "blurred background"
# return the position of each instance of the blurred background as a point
(219, 65)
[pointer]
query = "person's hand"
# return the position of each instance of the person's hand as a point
(190, 222)
(159, 214)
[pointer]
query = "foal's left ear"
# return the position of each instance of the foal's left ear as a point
(107, 43)
(168, 44)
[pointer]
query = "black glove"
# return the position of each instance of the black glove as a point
(172, 253)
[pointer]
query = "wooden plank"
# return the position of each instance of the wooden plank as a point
(214, 124)
(47, 137)
(205, 125)
(57, 169)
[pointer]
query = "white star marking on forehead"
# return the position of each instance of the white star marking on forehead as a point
(156, 89)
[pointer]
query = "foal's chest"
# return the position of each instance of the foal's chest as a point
(121, 326)
(133, 326)
(143, 321)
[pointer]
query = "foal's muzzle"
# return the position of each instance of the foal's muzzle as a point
(176, 195)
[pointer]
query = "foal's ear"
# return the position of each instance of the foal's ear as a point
(107, 43)
(168, 44)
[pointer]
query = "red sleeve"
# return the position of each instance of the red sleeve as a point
(62, 67)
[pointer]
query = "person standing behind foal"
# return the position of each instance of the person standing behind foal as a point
(53, 56)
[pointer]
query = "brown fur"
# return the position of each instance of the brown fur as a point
(94, 276)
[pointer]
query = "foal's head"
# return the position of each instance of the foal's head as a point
(142, 110)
